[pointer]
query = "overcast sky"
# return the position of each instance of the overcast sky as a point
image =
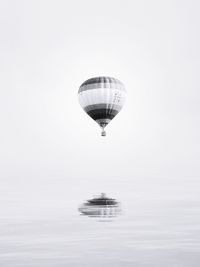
(48, 48)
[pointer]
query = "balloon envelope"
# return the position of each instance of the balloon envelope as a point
(102, 98)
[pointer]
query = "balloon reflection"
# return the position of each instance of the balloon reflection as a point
(100, 207)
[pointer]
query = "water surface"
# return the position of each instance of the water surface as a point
(40, 225)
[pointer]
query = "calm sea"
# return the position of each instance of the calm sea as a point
(40, 224)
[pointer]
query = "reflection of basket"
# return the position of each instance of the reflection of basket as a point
(102, 200)
(102, 207)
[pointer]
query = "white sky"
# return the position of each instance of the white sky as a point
(48, 48)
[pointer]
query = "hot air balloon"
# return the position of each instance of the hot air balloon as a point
(102, 98)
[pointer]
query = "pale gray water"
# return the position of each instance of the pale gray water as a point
(40, 226)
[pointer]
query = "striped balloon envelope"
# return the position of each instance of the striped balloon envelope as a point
(102, 98)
